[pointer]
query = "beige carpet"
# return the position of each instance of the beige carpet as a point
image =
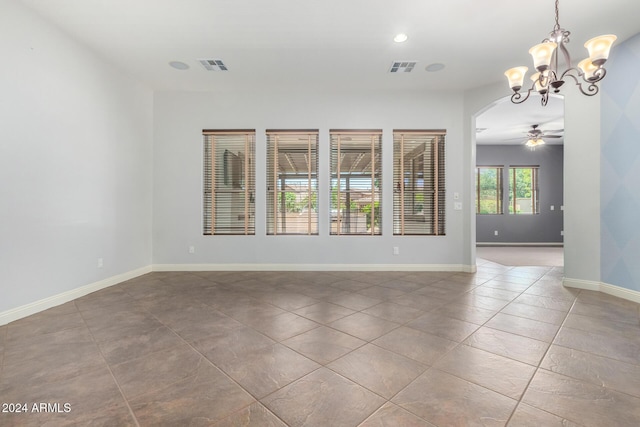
(551, 256)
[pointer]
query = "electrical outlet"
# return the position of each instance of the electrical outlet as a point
(192, 249)
(457, 206)
(495, 233)
(396, 250)
(562, 232)
(100, 262)
(456, 196)
(552, 207)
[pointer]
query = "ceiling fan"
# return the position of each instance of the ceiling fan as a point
(535, 136)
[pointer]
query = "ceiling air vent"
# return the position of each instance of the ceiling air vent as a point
(402, 66)
(213, 64)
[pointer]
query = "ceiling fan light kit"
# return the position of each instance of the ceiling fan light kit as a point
(549, 77)
(535, 135)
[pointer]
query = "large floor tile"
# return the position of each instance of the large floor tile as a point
(324, 312)
(364, 326)
(381, 292)
(391, 415)
(603, 326)
(284, 326)
(421, 302)
(552, 289)
(597, 370)
(446, 400)
(532, 312)
(414, 344)
(498, 373)
(480, 301)
(517, 347)
(323, 398)
(526, 327)
(496, 293)
(377, 369)
(93, 399)
(226, 345)
(157, 370)
(467, 313)
(528, 416)
(201, 399)
(544, 302)
(20, 329)
(443, 326)
(584, 403)
(403, 285)
(48, 364)
(608, 311)
(394, 312)
(323, 344)
(354, 301)
(288, 300)
(254, 415)
(607, 345)
(122, 349)
(266, 370)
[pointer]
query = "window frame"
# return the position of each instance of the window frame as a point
(535, 190)
(275, 180)
(499, 190)
(336, 148)
(238, 174)
(433, 188)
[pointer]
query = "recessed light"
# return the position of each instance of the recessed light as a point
(400, 38)
(436, 66)
(179, 65)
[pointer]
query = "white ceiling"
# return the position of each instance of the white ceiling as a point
(341, 44)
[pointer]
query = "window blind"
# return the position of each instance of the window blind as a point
(419, 182)
(292, 182)
(356, 182)
(229, 182)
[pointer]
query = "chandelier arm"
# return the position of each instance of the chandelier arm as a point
(544, 99)
(518, 98)
(591, 87)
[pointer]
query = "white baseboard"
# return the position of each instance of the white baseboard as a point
(605, 288)
(542, 244)
(55, 300)
(315, 267)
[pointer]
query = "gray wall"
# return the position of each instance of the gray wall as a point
(542, 228)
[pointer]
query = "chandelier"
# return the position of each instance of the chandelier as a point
(550, 78)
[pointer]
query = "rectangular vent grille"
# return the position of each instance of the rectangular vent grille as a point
(402, 66)
(213, 64)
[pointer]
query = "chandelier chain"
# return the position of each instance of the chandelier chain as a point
(557, 26)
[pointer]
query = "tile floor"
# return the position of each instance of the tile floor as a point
(505, 346)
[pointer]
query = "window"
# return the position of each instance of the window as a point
(523, 190)
(356, 182)
(418, 182)
(489, 190)
(229, 182)
(292, 182)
